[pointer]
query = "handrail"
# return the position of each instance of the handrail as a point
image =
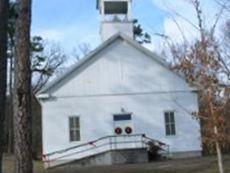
(71, 154)
(153, 140)
(160, 143)
(92, 142)
(64, 153)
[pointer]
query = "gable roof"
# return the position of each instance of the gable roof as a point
(100, 48)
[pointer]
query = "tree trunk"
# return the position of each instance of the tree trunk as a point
(219, 153)
(22, 90)
(218, 149)
(3, 70)
(10, 143)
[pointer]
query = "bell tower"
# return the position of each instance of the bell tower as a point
(115, 16)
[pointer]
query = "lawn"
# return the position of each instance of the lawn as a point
(195, 165)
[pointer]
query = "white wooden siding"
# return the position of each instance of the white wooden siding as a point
(121, 77)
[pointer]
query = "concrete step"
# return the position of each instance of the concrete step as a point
(113, 157)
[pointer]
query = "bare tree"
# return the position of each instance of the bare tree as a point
(205, 65)
(80, 51)
(3, 70)
(225, 54)
(22, 90)
(45, 64)
(224, 3)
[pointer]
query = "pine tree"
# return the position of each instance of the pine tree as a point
(22, 90)
(3, 70)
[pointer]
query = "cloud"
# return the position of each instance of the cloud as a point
(178, 29)
(181, 17)
(69, 36)
(50, 34)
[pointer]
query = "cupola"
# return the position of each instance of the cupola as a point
(115, 17)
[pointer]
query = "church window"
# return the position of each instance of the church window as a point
(170, 124)
(74, 128)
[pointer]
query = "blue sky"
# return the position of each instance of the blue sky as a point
(72, 22)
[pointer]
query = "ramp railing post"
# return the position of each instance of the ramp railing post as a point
(110, 143)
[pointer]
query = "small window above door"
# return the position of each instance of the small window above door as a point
(122, 117)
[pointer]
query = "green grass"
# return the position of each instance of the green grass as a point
(194, 165)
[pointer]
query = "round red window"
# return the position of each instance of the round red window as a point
(118, 131)
(128, 130)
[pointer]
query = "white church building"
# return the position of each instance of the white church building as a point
(120, 97)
